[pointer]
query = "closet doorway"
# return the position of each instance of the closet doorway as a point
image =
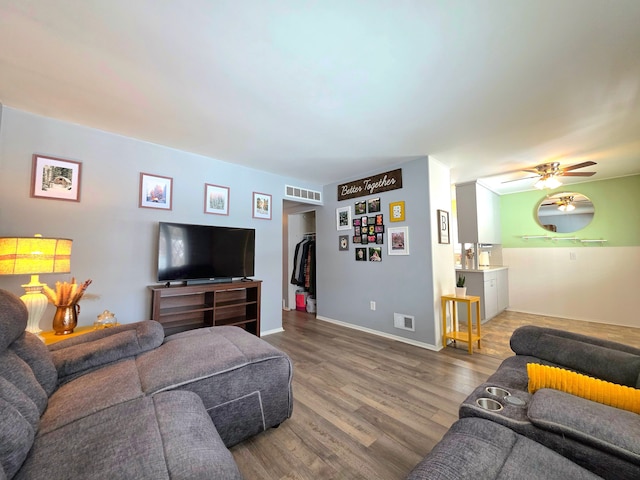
(299, 223)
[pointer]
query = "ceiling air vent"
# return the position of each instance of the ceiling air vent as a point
(302, 194)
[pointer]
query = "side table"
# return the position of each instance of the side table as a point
(454, 334)
(51, 337)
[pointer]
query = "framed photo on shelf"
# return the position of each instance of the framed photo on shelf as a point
(55, 178)
(343, 218)
(156, 191)
(216, 199)
(398, 241)
(262, 205)
(443, 226)
(396, 211)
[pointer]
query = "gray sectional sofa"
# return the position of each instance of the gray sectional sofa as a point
(549, 434)
(128, 403)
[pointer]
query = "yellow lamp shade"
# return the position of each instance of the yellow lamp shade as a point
(34, 255)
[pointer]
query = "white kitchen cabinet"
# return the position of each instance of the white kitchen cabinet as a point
(478, 212)
(492, 286)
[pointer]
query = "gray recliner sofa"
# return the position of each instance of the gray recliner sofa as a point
(550, 433)
(126, 402)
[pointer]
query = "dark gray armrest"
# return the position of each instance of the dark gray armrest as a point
(95, 349)
(603, 359)
(607, 428)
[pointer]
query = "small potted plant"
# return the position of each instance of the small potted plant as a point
(461, 290)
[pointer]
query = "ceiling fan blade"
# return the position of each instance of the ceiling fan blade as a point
(578, 165)
(518, 179)
(530, 170)
(577, 174)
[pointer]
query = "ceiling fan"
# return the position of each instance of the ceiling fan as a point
(567, 202)
(547, 173)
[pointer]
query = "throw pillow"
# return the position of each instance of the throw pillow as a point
(596, 390)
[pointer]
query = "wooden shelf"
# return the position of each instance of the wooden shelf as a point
(196, 306)
(462, 336)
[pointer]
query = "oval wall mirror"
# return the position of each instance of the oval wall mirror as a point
(565, 212)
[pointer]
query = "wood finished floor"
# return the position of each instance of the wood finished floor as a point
(366, 407)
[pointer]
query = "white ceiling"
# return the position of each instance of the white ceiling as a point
(324, 90)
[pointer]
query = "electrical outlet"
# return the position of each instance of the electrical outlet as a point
(572, 255)
(372, 305)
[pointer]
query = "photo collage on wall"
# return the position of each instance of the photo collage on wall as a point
(368, 229)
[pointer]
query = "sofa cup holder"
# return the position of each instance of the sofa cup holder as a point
(497, 391)
(489, 404)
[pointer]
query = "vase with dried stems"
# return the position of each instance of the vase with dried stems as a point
(65, 298)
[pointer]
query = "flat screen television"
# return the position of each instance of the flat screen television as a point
(204, 252)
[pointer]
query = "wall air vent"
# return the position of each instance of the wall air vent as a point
(405, 322)
(302, 194)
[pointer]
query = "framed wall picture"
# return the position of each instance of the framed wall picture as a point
(343, 218)
(216, 199)
(343, 243)
(55, 178)
(262, 205)
(396, 211)
(375, 254)
(155, 191)
(443, 226)
(360, 208)
(361, 254)
(373, 205)
(398, 240)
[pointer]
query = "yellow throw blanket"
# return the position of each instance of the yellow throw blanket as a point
(618, 396)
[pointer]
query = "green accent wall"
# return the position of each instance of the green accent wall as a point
(617, 215)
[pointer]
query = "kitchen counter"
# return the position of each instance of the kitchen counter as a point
(491, 268)
(491, 284)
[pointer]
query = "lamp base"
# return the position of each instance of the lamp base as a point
(36, 303)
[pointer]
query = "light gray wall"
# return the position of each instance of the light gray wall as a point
(114, 240)
(402, 284)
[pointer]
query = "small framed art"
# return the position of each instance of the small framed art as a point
(155, 191)
(216, 199)
(262, 205)
(398, 241)
(343, 243)
(396, 211)
(55, 178)
(361, 254)
(375, 254)
(360, 208)
(343, 218)
(443, 226)
(373, 205)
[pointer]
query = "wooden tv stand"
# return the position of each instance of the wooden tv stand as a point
(181, 308)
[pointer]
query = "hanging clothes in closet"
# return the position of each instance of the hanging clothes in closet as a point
(304, 264)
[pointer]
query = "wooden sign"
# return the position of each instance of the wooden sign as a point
(371, 185)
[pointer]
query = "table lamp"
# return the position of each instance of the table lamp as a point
(33, 256)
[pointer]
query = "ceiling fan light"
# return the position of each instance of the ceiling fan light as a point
(567, 207)
(553, 182)
(540, 184)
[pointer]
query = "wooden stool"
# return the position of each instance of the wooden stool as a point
(455, 335)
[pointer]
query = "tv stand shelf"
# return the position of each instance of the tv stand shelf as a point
(205, 305)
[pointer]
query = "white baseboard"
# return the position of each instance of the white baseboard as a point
(426, 346)
(270, 332)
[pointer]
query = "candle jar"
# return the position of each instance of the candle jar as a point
(105, 320)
